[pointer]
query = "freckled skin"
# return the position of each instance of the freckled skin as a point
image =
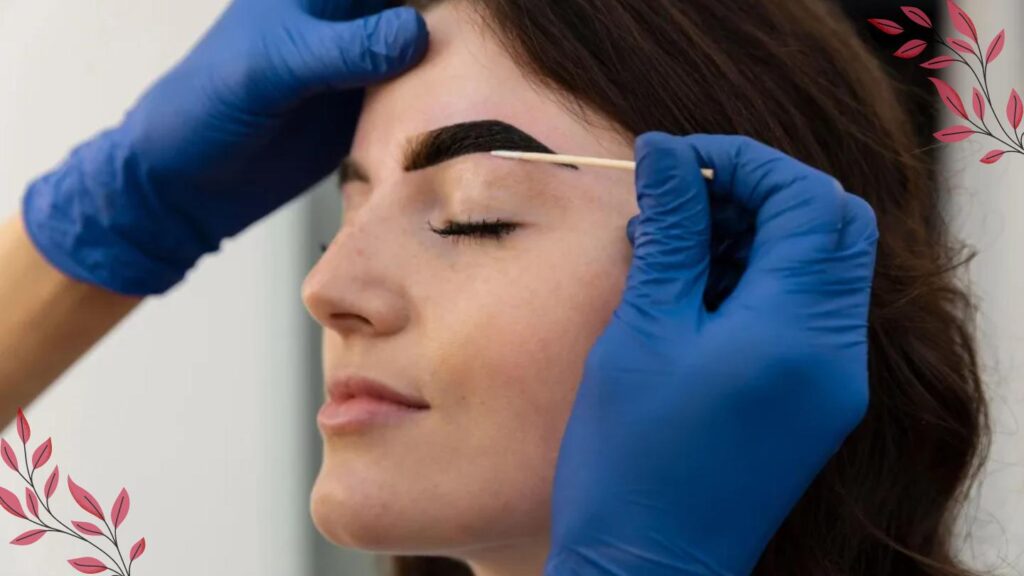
(492, 334)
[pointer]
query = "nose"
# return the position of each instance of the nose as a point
(356, 288)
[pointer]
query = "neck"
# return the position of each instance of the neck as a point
(519, 559)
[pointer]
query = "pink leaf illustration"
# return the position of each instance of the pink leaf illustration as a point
(88, 565)
(911, 49)
(979, 104)
(24, 431)
(918, 16)
(8, 455)
(939, 62)
(887, 26)
(950, 98)
(30, 537)
(961, 46)
(87, 528)
(32, 502)
(119, 510)
(961, 21)
(138, 549)
(10, 503)
(85, 500)
(1015, 109)
(52, 482)
(955, 133)
(42, 454)
(993, 157)
(996, 47)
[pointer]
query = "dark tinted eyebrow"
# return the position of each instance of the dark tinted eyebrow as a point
(450, 142)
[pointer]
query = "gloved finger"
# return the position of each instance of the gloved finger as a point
(854, 260)
(343, 9)
(799, 210)
(356, 53)
(860, 227)
(672, 234)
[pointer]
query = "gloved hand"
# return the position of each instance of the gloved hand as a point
(694, 433)
(261, 109)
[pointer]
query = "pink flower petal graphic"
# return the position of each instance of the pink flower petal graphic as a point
(917, 16)
(119, 511)
(911, 49)
(138, 549)
(85, 500)
(24, 431)
(961, 21)
(86, 528)
(950, 98)
(30, 537)
(1015, 109)
(996, 47)
(955, 133)
(52, 482)
(887, 26)
(88, 565)
(961, 45)
(31, 502)
(979, 104)
(8, 455)
(993, 157)
(11, 503)
(42, 454)
(939, 62)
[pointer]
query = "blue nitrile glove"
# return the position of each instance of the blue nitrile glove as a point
(694, 433)
(261, 109)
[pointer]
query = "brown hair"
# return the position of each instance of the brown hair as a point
(795, 75)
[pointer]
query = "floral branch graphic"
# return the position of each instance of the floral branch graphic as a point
(33, 500)
(960, 49)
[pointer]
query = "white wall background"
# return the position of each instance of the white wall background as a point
(987, 207)
(229, 495)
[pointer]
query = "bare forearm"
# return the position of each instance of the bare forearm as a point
(49, 320)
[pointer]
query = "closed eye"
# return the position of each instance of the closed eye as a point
(483, 229)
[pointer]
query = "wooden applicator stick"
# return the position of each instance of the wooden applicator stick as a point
(708, 173)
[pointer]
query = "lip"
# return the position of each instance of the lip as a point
(355, 402)
(348, 386)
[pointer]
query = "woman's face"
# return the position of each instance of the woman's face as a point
(491, 333)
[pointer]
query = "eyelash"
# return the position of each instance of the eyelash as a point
(483, 230)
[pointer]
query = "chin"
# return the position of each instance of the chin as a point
(359, 507)
(365, 501)
(351, 517)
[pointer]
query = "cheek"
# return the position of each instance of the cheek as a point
(512, 360)
(521, 337)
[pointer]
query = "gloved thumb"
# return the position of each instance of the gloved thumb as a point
(356, 53)
(672, 234)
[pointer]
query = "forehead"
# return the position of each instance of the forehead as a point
(467, 75)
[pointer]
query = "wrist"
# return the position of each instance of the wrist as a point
(93, 220)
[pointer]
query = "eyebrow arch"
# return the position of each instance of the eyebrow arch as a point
(450, 142)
